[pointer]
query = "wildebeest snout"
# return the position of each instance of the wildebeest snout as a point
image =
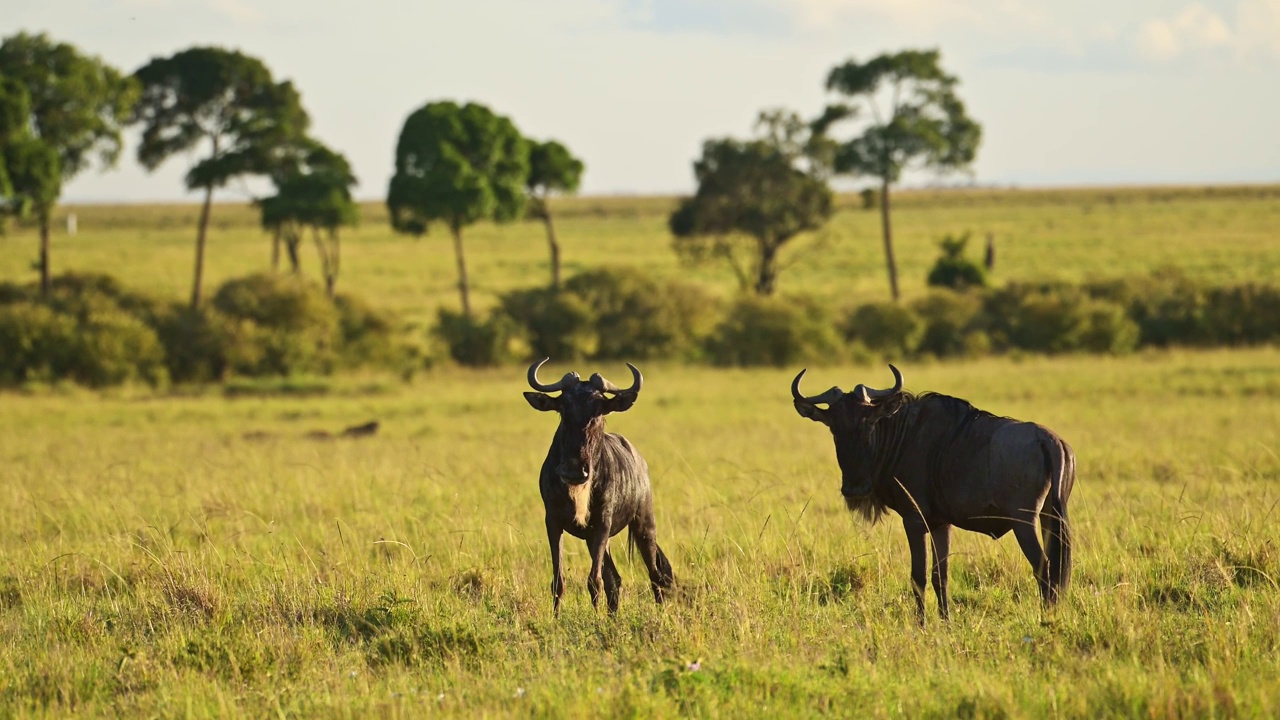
(572, 473)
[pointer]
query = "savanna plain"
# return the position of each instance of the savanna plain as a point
(199, 552)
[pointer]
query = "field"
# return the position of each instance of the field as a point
(194, 552)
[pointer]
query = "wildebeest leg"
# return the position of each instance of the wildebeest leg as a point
(554, 533)
(919, 555)
(941, 550)
(644, 535)
(598, 546)
(612, 581)
(1025, 530)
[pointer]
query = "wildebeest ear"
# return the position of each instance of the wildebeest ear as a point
(811, 411)
(620, 402)
(542, 402)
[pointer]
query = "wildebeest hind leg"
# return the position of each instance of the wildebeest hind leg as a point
(1025, 531)
(612, 581)
(643, 534)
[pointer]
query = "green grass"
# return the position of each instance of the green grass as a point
(190, 554)
(1224, 234)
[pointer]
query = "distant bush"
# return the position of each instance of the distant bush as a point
(293, 323)
(774, 331)
(612, 314)
(368, 335)
(39, 343)
(107, 348)
(953, 270)
(474, 342)
(887, 329)
(954, 324)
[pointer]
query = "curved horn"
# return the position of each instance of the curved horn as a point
(568, 378)
(605, 386)
(866, 394)
(827, 397)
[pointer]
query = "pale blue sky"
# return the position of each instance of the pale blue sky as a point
(1087, 92)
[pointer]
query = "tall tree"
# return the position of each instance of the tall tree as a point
(225, 101)
(552, 169)
(313, 191)
(76, 105)
(457, 165)
(754, 197)
(911, 118)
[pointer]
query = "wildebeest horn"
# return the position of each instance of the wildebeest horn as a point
(866, 394)
(827, 397)
(605, 386)
(569, 377)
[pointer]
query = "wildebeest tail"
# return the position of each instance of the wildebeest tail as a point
(1054, 524)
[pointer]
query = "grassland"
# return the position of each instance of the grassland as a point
(194, 553)
(156, 561)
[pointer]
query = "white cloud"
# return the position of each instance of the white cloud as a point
(1196, 31)
(1258, 26)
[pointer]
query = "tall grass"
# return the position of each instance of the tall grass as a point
(202, 556)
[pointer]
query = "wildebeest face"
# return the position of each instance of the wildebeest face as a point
(582, 408)
(852, 419)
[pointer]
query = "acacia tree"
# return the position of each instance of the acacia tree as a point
(76, 106)
(225, 101)
(457, 165)
(552, 169)
(923, 125)
(753, 198)
(313, 191)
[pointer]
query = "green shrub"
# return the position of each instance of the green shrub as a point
(1168, 307)
(887, 329)
(1242, 315)
(558, 325)
(638, 317)
(475, 343)
(115, 348)
(773, 331)
(39, 343)
(367, 335)
(198, 344)
(292, 321)
(954, 324)
(1108, 329)
(953, 270)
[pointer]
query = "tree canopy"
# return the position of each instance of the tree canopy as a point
(552, 169)
(457, 165)
(313, 190)
(225, 101)
(768, 190)
(924, 125)
(75, 106)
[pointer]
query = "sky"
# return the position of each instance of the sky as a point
(1090, 92)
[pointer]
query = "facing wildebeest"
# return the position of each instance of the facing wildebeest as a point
(938, 461)
(595, 483)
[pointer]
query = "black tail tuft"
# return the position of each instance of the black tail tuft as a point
(1055, 526)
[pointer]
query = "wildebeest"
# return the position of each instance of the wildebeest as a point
(595, 483)
(938, 461)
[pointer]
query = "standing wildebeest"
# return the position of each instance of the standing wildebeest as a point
(938, 461)
(595, 483)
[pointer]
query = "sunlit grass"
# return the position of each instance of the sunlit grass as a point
(200, 555)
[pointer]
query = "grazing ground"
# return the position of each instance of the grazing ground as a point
(1218, 234)
(197, 554)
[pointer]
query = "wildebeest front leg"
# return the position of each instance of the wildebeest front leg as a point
(554, 533)
(597, 545)
(612, 580)
(941, 550)
(919, 556)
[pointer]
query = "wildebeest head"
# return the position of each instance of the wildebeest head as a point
(852, 418)
(582, 406)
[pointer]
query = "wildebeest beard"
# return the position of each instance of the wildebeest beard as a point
(868, 506)
(589, 455)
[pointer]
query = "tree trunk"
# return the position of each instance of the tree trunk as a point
(329, 259)
(463, 287)
(44, 254)
(200, 236)
(275, 251)
(767, 277)
(888, 238)
(555, 248)
(291, 243)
